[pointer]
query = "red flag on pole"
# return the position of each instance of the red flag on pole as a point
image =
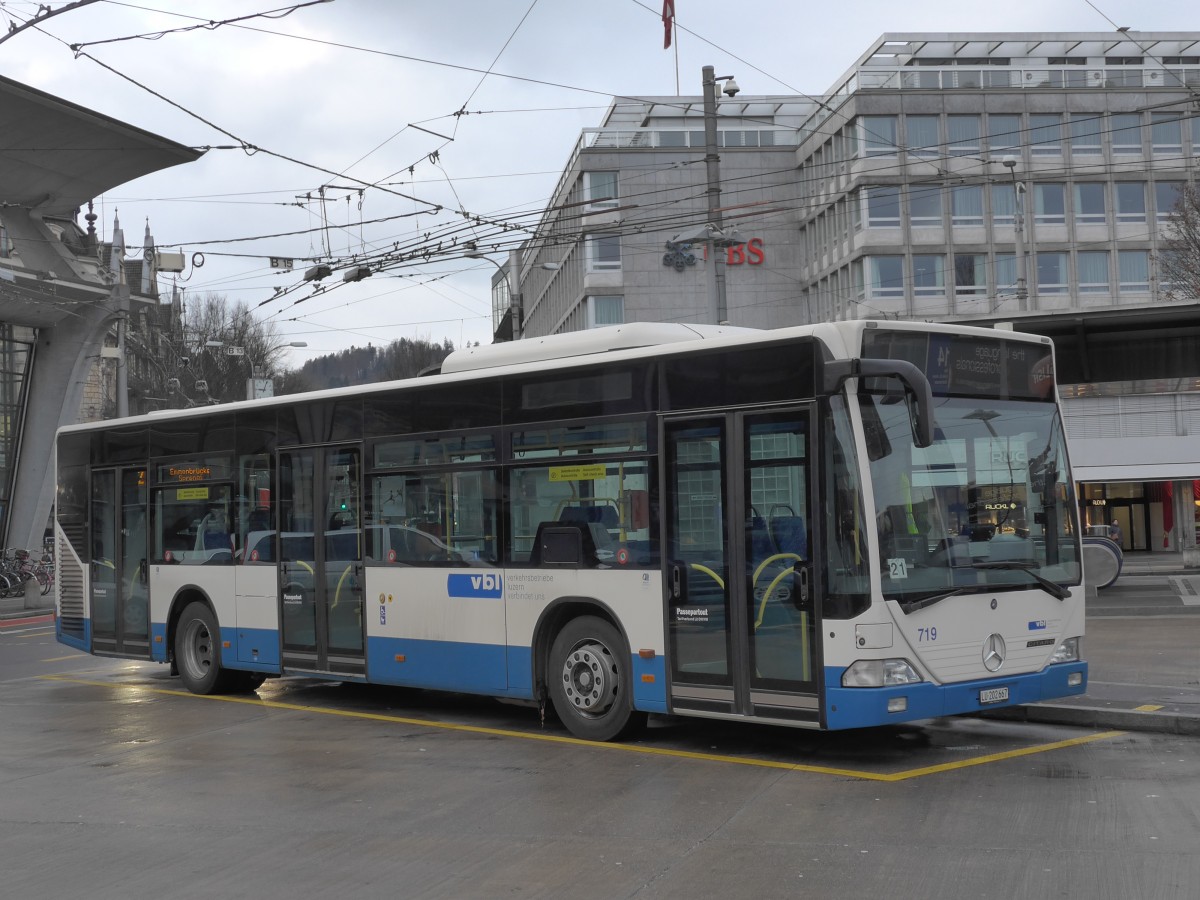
(668, 21)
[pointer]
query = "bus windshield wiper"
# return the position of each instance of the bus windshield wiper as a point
(1050, 587)
(909, 606)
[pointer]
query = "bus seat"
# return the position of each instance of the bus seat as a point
(759, 539)
(217, 540)
(789, 535)
(572, 515)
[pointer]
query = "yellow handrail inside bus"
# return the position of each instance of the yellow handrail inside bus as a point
(709, 572)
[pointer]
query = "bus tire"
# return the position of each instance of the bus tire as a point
(198, 651)
(591, 681)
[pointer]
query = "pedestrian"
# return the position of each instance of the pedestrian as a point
(1114, 532)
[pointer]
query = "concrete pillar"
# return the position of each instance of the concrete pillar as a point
(1185, 522)
(63, 356)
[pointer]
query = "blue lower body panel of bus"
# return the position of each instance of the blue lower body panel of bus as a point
(487, 669)
(868, 707)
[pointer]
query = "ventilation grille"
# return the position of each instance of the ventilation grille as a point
(69, 583)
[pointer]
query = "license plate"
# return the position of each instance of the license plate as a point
(993, 695)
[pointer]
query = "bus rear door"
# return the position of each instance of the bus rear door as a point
(120, 593)
(740, 597)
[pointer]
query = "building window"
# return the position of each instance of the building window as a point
(1131, 201)
(1085, 134)
(601, 188)
(883, 206)
(1004, 204)
(1166, 134)
(925, 204)
(1166, 195)
(1052, 273)
(1045, 134)
(1089, 203)
(1195, 135)
(966, 205)
(879, 135)
(1093, 272)
(1006, 272)
(963, 133)
(1134, 268)
(604, 252)
(885, 277)
(970, 274)
(922, 135)
(1004, 135)
(1127, 134)
(929, 276)
(1049, 204)
(606, 311)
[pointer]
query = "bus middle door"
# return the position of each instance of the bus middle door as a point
(320, 560)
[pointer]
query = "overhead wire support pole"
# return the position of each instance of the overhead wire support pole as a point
(718, 309)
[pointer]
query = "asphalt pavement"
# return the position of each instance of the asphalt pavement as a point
(1142, 646)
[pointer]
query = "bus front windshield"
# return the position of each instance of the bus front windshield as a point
(989, 506)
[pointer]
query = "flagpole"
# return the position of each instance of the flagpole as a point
(675, 29)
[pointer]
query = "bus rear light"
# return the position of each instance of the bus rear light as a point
(879, 673)
(648, 679)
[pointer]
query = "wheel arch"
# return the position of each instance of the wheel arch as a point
(187, 594)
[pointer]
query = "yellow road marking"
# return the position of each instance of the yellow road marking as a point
(1148, 707)
(628, 748)
(61, 658)
(28, 634)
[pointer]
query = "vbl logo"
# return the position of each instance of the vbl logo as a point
(1037, 625)
(473, 586)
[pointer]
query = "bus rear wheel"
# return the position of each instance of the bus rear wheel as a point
(198, 652)
(591, 680)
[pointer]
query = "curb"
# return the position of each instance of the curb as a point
(1101, 717)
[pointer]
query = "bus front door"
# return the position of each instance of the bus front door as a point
(320, 560)
(120, 599)
(740, 594)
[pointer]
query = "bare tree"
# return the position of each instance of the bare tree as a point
(227, 346)
(1179, 258)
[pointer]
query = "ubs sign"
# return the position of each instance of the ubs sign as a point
(680, 256)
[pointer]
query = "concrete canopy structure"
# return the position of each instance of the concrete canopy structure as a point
(58, 297)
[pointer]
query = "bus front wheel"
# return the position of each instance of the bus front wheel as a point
(590, 681)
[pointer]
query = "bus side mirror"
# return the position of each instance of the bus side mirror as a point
(917, 390)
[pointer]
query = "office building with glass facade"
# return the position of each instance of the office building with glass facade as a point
(1019, 180)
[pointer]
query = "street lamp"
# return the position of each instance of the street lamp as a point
(1010, 163)
(514, 296)
(716, 271)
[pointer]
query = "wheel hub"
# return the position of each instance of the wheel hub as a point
(590, 679)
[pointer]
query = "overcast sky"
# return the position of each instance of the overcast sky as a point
(339, 86)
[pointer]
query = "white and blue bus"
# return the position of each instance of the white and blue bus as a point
(834, 526)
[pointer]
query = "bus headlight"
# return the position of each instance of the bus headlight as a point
(879, 673)
(1068, 651)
